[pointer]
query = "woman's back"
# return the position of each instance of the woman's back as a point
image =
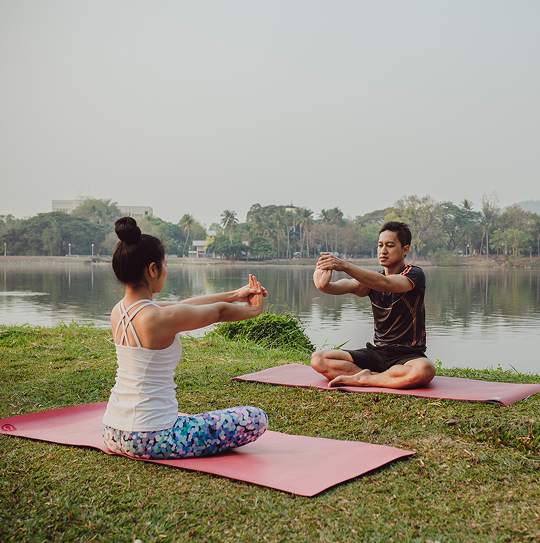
(143, 397)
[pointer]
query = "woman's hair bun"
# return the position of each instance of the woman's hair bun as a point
(127, 230)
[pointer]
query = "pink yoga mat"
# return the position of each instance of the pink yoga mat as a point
(443, 388)
(295, 464)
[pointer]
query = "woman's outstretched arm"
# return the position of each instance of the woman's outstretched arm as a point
(171, 319)
(239, 295)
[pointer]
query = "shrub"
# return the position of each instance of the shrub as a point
(269, 330)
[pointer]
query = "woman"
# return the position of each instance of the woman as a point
(142, 417)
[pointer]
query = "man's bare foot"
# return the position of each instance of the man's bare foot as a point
(358, 379)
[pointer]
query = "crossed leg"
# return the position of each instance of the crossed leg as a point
(202, 434)
(339, 369)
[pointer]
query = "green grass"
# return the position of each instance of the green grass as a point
(475, 475)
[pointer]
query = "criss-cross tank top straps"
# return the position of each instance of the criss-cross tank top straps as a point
(126, 318)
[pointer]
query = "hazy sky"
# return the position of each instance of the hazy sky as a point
(201, 106)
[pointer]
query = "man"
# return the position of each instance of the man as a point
(397, 359)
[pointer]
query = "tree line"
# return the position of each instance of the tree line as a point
(441, 231)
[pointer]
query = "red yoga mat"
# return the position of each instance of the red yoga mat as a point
(442, 388)
(295, 464)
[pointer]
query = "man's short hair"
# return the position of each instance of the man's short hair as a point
(401, 229)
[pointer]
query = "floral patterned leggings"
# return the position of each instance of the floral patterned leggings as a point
(192, 435)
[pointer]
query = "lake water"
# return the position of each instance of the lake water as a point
(477, 318)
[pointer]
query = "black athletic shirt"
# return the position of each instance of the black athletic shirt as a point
(400, 318)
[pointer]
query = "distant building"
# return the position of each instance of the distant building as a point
(66, 206)
(199, 246)
(137, 212)
(199, 249)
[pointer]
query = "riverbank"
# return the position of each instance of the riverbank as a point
(462, 261)
(474, 475)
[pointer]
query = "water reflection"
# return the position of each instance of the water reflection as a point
(45, 293)
(462, 296)
(475, 318)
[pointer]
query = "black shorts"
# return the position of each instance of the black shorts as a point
(381, 358)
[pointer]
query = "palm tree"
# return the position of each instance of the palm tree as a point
(336, 218)
(187, 222)
(257, 225)
(290, 219)
(467, 207)
(490, 210)
(229, 222)
(278, 222)
(325, 216)
(304, 216)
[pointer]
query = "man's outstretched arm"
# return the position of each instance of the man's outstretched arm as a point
(322, 279)
(369, 279)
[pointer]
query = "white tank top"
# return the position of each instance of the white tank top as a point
(143, 398)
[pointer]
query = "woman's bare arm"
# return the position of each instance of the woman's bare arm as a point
(238, 295)
(158, 326)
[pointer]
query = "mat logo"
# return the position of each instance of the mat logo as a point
(8, 428)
